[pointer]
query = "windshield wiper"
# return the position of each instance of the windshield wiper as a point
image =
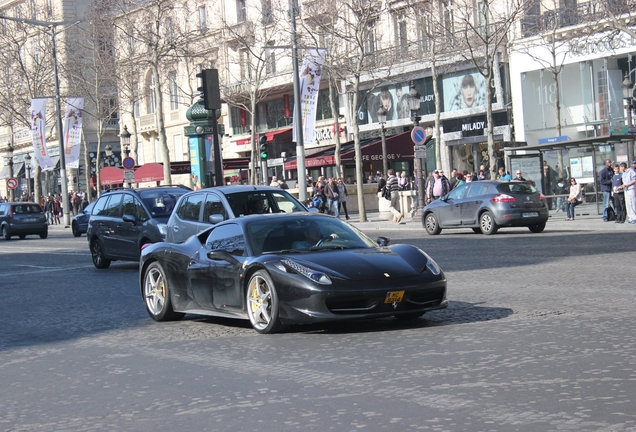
(286, 251)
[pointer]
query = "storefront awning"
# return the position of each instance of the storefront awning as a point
(236, 164)
(280, 134)
(150, 172)
(398, 148)
(111, 176)
(599, 140)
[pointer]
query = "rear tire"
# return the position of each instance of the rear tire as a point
(75, 228)
(44, 235)
(431, 224)
(97, 254)
(156, 294)
(262, 303)
(5, 233)
(537, 228)
(487, 223)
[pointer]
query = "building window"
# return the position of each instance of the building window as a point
(169, 31)
(268, 17)
(246, 67)
(49, 7)
(178, 148)
(371, 37)
(240, 120)
(425, 30)
(135, 100)
(241, 14)
(401, 37)
(447, 8)
(174, 92)
(109, 109)
(158, 151)
(131, 45)
(482, 17)
(203, 20)
(151, 102)
(270, 59)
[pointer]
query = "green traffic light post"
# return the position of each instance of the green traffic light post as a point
(262, 150)
(206, 166)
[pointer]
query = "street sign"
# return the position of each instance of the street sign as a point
(129, 176)
(418, 135)
(420, 154)
(419, 148)
(128, 163)
(12, 183)
(275, 162)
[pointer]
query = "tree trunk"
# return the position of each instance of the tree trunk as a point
(255, 154)
(358, 150)
(161, 127)
(438, 121)
(489, 122)
(336, 127)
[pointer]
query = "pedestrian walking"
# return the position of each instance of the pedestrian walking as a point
(394, 187)
(629, 187)
(618, 195)
(605, 179)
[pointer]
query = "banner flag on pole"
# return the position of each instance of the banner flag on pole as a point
(72, 125)
(310, 74)
(38, 133)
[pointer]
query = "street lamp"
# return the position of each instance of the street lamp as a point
(108, 151)
(27, 166)
(382, 121)
(414, 105)
(10, 163)
(125, 140)
(628, 96)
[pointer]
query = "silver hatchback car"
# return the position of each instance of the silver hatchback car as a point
(22, 219)
(198, 210)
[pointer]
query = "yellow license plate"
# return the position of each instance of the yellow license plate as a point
(394, 296)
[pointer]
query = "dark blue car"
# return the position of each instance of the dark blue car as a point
(80, 222)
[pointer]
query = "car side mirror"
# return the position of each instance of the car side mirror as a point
(383, 241)
(222, 255)
(130, 218)
(215, 219)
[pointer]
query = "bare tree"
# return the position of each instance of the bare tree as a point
(27, 73)
(485, 30)
(165, 36)
(252, 43)
(356, 29)
(91, 74)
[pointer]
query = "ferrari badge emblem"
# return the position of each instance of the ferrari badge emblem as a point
(394, 304)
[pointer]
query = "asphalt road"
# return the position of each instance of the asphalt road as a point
(540, 335)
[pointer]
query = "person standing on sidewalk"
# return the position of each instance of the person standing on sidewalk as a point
(618, 194)
(394, 187)
(342, 197)
(629, 187)
(605, 179)
(575, 198)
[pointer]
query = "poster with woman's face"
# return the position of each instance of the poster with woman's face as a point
(464, 90)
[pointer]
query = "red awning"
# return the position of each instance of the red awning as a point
(111, 176)
(398, 148)
(150, 172)
(271, 135)
(236, 163)
(312, 162)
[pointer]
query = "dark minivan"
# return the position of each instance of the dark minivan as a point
(123, 221)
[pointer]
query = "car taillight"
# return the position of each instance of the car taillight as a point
(541, 197)
(503, 198)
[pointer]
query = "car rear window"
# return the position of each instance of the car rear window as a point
(26, 209)
(161, 202)
(517, 188)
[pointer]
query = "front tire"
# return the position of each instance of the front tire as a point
(44, 235)
(75, 228)
(156, 295)
(262, 303)
(431, 224)
(487, 223)
(537, 228)
(5, 233)
(97, 254)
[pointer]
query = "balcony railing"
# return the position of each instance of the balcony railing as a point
(532, 25)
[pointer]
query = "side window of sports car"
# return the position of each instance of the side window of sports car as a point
(229, 238)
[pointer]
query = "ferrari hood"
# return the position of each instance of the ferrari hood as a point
(362, 264)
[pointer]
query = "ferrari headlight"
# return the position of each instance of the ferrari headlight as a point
(311, 274)
(431, 265)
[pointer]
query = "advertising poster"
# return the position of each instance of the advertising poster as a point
(310, 74)
(196, 170)
(72, 125)
(38, 133)
(463, 91)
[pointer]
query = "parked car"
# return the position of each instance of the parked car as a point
(279, 269)
(22, 219)
(485, 206)
(199, 209)
(79, 224)
(123, 221)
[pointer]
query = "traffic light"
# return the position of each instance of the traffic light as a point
(263, 146)
(210, 89)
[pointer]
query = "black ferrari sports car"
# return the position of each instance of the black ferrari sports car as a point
(280, 269)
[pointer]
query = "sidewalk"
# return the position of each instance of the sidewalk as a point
(586, 219)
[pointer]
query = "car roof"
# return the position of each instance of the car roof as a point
(275, 216)
(226, 190)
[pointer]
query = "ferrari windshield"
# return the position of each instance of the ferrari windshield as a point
(303, 234)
